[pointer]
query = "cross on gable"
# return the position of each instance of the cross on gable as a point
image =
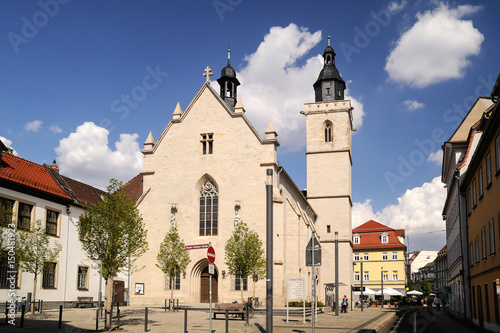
(208, 73)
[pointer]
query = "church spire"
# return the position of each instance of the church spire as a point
(228, 83)
(329, 86)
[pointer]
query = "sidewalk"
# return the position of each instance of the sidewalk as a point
(133, 319)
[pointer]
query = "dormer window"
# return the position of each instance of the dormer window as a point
(385, 238)
(355, 239)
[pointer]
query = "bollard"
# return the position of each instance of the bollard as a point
(6, 313)
(177, 305)
(227, 320)
(97, 320)
(246, 313)
(41, 305)
(105, 318)
(146, 321)
(60, 316)
(118, 313)
(165, 305)
(22, 314)
(185, 321)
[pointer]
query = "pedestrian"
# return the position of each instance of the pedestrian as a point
(344, 303)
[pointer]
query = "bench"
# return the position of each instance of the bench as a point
(85, 302)
(233, 309)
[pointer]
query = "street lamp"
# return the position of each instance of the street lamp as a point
(382, 283)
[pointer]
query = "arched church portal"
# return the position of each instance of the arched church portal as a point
(201, 282)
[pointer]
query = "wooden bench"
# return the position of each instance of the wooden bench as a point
(85, 302)
(233, 309)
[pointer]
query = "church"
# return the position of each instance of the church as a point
(206, 172)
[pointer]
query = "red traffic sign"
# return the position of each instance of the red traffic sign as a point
(211, 255)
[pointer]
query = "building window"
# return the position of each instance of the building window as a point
(385, 239)
(474, 194)
(6, 269)
(24, 213)
(209, 203)
(471, 254)
(173, 282)
(497, 153)
(468, 202)
(240, 283)
(356, 256)
(385, 275)
(338, 92)
(83, 273)
(492, 236)
(51, 222)
(394, 256)
(395, 276)
(49, 275)
(207, 143)
(366, 276)
(488, 169)
(356, 239)
(480, 182)
(328, 229)
(483, 243)
(356, 276)
(6, 207)
(385, 256)
(476, 243)
(328, 132)
(366, 257)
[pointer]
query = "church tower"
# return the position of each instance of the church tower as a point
(228, 83)
(328, 155)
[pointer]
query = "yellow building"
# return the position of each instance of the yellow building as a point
(380, 251)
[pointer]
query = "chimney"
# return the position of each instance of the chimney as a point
(54, 166)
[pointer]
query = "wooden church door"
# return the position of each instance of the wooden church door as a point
(205, 286)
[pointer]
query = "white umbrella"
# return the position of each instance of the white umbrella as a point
(414, 292)
(367, 292)
(390, 292)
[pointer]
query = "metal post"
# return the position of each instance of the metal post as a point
(22, 315)
(210, 293)
(99, 295)
(185, 321)
(336, 273)
(269, 251)
(118, 314)
(227, 321)
(313, 282)
(97, 320)
(382, 283)
(247, 311)
(146, 320)
(165, 305)
(361, 275)
(60, 316)
(41, 305)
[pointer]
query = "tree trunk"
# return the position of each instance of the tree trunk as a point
(172, 293)
(34, 294)
(108, 298)
(253, 289)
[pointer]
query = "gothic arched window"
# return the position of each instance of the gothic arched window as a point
(209, 203)
(328, 132)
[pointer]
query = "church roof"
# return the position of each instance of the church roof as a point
(18, 171)
(134, 187)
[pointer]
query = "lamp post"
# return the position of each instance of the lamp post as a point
(382, 283)
(361, 276)
(269, 251)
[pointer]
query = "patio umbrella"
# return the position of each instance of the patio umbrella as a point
(367, 292)
(414, 292)
(390, 292)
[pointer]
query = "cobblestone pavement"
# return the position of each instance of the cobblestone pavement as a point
(132, 319)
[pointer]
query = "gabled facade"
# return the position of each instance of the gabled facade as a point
(479, 186)
(382, 251)
(441, 269)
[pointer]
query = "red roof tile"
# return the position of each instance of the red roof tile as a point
(134, 187)
(84, 193)
(20, 171)
(370, 236)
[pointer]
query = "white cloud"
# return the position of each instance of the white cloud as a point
(436, 157)
(55, 129)
(85, 155)
(436, 48)
(395, 7)
(275, 86)
(8, 143)
(419, 212)
(33, 126)
(413, 105)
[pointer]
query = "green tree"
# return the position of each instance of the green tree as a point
(114, 234)
(244, 254)
(34, 252)
(425, 287)
(173, 257)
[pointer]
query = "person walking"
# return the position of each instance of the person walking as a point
(344, 304)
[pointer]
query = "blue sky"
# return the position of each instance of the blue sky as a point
(84, 82)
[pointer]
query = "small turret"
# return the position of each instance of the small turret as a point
(329, 86)
(228, 83)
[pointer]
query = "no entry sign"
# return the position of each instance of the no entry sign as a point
(211, 255)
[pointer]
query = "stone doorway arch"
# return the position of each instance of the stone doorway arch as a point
(201, 282)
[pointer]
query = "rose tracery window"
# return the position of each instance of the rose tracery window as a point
(209, 202)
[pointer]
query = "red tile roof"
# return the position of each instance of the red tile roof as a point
(19, 171)
(370, 236)
(84, 193)
(134, 187)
